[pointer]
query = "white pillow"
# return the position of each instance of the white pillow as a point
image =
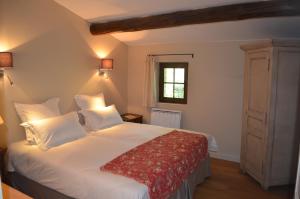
(31, 112)
(90, 102)
(58, 130)
(101, 118)
(31, 138)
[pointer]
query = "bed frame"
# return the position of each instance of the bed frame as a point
(36, 190)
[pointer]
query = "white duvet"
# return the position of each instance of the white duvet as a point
(74, 168)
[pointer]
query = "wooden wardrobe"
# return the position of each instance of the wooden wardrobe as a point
(271, 110)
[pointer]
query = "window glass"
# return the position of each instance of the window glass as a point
(179, 75)
(168, 90)
(179, 91)
(169, 75)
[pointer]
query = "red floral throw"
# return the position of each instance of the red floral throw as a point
(162, 163)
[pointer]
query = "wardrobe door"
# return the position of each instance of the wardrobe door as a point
(255, 116)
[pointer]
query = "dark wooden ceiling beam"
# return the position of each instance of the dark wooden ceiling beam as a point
(232, 12)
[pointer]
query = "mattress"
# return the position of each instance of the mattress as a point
(73, 168)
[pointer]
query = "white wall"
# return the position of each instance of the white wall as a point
(214, 93)
(54, 55)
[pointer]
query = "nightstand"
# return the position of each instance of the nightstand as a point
(130, 117)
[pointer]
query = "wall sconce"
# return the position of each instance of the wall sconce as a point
(6, 61)
(106, 65)
(1, 120)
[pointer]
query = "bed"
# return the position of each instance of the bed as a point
(72, 170)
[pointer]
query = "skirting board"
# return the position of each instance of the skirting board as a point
(225, 157)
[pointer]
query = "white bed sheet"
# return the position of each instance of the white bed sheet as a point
(73, 168)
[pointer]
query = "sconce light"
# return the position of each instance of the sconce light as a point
(106, 65)
(6, 61)
(1, 120)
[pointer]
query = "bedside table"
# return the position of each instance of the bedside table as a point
(130, 117)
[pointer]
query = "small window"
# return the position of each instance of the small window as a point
(173, 78)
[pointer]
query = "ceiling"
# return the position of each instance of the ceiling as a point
(107, 10)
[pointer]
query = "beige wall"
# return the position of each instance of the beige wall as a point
(54, 55)
(214, 92)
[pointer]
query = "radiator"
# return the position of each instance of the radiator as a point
(166, 118)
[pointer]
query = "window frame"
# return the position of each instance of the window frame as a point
(162, 66)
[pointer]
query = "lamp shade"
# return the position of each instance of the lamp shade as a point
(6, 60)
(107, 64)
(1, 120)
